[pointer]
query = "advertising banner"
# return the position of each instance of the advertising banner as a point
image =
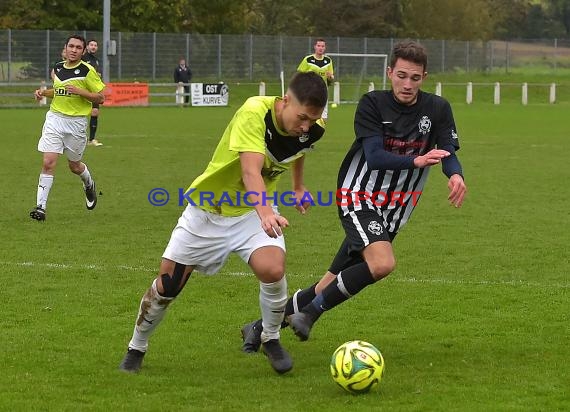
(126, 94)
(210, 94)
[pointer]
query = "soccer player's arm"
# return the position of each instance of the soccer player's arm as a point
(369, 130)
(448, 140)
(247, 138)
(452, 169)
(95, 92)
(251, 166)
(93, 97)
(330, 74)
(303, 197)
(41, 93)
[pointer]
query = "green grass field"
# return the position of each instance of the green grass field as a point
(475, 317)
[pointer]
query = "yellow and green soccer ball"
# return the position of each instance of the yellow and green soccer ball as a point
(357, 366)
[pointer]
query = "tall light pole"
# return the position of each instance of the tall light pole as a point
(106, 38)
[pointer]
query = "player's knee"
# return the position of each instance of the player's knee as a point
(48, 166)
(274, 273)
(94, 112)
(76, 167)
(382, 268)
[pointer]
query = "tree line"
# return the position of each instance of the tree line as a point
(428, 19)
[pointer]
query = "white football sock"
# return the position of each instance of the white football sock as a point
(86, 177)
(151, 311)
(44, 185)
(272, 299)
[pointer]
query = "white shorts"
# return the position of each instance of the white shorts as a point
(205, 240)
(64, 134)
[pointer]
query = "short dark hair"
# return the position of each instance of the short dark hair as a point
(90, 40)
(410, 51)
(309, 88)
(77, 37)
(318, 39)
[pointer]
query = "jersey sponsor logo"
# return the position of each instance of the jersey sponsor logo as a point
(61, 91)
(453, 134)
(424, 125)
(304, 137)
(392, 144)
(375, 228)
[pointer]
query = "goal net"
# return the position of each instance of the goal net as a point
(356, 74)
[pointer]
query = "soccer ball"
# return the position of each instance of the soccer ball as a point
(357, 366)
(334, 105)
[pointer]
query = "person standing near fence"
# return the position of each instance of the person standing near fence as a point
(89, 57)
(321, 64)
(183, 76)
(76, 86)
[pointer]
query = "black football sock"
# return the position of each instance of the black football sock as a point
(300, 299)
(93, 127)
(347, 284)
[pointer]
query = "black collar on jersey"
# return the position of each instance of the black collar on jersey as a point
(282, 147)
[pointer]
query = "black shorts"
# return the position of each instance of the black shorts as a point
(361, 229)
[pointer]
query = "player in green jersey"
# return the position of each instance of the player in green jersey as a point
(232, 208)
(76, 86)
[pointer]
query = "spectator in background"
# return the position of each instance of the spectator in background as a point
(321, 64)
(183, 76)
(89, 57)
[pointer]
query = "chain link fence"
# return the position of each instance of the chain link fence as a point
(243, 61)
(28, 55)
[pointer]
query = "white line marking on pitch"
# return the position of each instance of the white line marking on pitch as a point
(397, 279)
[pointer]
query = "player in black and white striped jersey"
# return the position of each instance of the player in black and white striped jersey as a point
(400, 134)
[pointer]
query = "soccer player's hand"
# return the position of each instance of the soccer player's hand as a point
(457, 190)
(431, 158)
(38, 94)
(303, 200)
(272, 224)
(71, 89)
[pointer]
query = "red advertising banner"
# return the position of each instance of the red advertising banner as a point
(126, 94)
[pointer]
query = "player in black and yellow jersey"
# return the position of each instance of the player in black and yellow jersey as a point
(76, 86)
(267, 136)
(321, 64)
